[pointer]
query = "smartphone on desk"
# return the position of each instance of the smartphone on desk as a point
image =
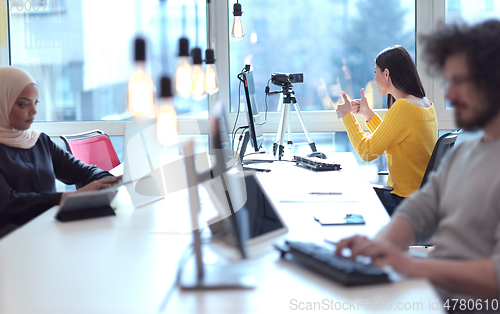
(335, 219)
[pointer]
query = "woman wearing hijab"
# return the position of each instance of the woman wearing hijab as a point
(29, 160)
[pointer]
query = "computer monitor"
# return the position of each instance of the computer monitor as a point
(258, 219)
(219, 137)
(248, 216)
(253, 117)
(229, 188)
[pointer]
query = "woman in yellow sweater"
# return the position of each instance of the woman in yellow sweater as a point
(409, 130)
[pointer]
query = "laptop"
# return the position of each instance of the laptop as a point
(142, 176)
(264, 225)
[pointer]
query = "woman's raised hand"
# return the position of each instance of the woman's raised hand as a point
(345, 108)
(355, 106)
(364, 110)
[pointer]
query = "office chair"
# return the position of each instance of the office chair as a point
(444, 144)
(93, 148)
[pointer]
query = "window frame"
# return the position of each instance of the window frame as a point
(428, 14)
(5, 27)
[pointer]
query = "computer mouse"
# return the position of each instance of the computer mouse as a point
(317, 155)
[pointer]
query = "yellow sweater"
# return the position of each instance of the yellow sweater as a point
(407, 135)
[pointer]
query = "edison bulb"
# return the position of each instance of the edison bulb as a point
(166, 124)
(211, 84)
(140, 93)
(183, 77)
(198, 81)
(238, 32)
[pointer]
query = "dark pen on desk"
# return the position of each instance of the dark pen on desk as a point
(325, 193)
(257, 169)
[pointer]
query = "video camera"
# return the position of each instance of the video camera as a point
(283, 79)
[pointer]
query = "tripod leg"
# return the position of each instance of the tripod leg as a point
(289, 127)
(311, 143)
(280, 130)
(286, 109)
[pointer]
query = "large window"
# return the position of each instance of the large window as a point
(333, 43)
(81, 52)
(471, 11)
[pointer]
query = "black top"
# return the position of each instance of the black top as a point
(27, 179)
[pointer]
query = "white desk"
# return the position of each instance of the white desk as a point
(127, 263)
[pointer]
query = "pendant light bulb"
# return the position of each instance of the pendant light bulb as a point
(211, 81)
(238, 31)
(166, 118)
(140, 85)
(198, 76)
(183, 74)
(198, 82)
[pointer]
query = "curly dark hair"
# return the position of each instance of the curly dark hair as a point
(480, 43)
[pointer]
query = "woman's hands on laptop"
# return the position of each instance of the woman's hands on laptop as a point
(96, 185)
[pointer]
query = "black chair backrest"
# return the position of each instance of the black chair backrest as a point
(444, 144)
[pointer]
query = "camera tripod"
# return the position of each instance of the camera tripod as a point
(286, 99)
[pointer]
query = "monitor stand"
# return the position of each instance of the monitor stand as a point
(216, 277)
(197, 275)
(244, 145)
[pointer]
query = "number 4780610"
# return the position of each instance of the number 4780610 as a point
(28, 5)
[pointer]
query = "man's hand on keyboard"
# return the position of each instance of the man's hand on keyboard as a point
(382, 253)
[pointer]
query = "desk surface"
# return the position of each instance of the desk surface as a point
(128, 263)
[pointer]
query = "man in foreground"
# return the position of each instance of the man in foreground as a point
(461, 201)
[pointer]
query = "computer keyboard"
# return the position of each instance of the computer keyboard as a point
(324, 261)
(315, 163)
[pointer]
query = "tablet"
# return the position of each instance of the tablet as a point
(85, 205)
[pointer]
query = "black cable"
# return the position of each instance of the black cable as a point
(208, 24)
(237, 115)
(265, 101)
(241, 137)
(239, 100)
(234, 136)
(243, 130)
(255, 153)
(184, 19)
(196, 20)
(164, 43)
